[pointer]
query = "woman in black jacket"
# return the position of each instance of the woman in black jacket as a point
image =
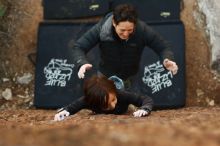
(101, 96)
(121, 37)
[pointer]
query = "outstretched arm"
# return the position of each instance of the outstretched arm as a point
(71, 109)
(156, 42)
(85, 43)
(145, 103)
(162, 47)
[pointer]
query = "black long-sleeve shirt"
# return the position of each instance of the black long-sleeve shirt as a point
(124, 98)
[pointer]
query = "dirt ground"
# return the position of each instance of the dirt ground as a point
(194, 126)
(21, 125)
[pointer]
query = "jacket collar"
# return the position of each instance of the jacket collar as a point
(106, 30)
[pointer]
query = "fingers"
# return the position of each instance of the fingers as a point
(174, 71)
(81, 73)
(88, 66)
(165, 61)
(82, 70)
(61, 115)
(140, 113)
(171, 66)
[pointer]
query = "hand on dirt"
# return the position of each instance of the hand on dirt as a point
(61, 115)
(171, 66)
(83, 69)
(140, 113)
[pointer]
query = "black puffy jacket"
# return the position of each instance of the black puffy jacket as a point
(119, 57)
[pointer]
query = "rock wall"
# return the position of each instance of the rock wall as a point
(203, 87)
(18, 38)
(211, 12)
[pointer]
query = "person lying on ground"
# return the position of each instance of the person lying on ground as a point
(102, 97)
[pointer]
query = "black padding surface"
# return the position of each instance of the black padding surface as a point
(154, 10)
(69, 9)
(56, 82)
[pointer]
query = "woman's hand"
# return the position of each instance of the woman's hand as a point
(61, 115)
(83, 69)
(141, 113)
(171, 66)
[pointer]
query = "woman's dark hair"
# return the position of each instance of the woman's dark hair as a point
(124, 12)
(96, 91)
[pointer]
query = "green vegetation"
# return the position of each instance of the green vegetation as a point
(2, 10)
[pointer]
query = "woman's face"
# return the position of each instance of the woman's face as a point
(112, 101)
(124, 29)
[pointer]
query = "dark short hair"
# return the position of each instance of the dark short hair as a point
(124, 12)
(96, 91)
